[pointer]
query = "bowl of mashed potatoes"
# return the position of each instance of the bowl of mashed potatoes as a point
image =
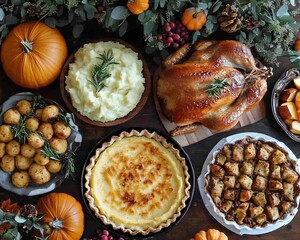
(105, 83)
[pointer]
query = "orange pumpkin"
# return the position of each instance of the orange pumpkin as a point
(33, 54)
(211, 234)
(137, 6)
(192, 19)
(64, 215)
(297, 45)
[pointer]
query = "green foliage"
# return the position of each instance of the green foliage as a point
(19, 226)
(276, 31)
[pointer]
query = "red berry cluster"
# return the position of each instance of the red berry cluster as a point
(174, 34)
(103, 235)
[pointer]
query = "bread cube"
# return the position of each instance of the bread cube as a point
(217, 170)
(250, 151)
(275, 172)
(262, 168)
(288, 191)
(245, 181)
(278, 157)
(289, 175)
(220, 159)
(259, 199)
(247, 168)
(241, 212)
(255, 211)
(229, 181)
(272, 213)
(259, 184)
(232, 168)
(245, 195)
(227, 151)
(226, 206)
(275, 185)
(238, 153)
(229, 194)
(216, 187)
(273, 200)
(286, 207)
(261, 219)
(264, 152)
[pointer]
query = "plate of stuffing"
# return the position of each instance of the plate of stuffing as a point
(146, 183)
(250, 183)
(105, 82)
(38, 140)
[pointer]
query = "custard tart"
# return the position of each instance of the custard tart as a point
(137, 183)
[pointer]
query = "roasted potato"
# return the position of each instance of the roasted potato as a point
(24, 107)
(35, 140)
(32, 123)
(11, 116)
(38, 113)
(6, 134)
(20, 179)
(28, 151)
(22, 163)
(61, 130)
(39, 174)
(12, 148)
(47, 130)
(40, 158)
(288, 94)
(2, 149)
(50, 113)
(54, 166)
(7, 163)
(59, 145)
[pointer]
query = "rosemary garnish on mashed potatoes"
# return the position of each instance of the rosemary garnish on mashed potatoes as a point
(101, 71)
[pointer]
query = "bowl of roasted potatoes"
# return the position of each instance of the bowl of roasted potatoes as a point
(38, 140)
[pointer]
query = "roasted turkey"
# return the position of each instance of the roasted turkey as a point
(211, 83)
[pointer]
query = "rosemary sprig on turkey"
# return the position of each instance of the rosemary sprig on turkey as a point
(216, 86)
(101, 71)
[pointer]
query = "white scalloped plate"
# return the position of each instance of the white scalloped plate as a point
(220, 217)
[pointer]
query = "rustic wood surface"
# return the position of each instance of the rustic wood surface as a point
(197, 218)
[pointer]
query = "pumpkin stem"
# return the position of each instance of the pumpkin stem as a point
(27, 46)
(56, 224)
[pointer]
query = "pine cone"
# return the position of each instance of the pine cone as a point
(28, 211)
(229, 19)
(250, 23)
(33, 10)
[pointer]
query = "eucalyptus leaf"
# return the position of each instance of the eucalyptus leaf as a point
(287, 19)
(212, 18)
(201, 6)
(209, 25)
(162, 3)
(2, 14)
(282, 11)
(217, 6)
(293, 2)
(81, 13)
(149, 50)
(119, 13)
(50, 21)
(123, 28)
(156, 4)
(196, 35)
(26, 4)
(71, 15)
(1, 212)
(23, 12)
(11, 20)
(90, 11)
(77, 30)
(20, 219)
(148, 27)
(62, 22)
(164, 53)
(145, 16)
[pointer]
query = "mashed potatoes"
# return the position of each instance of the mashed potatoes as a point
(122, 91)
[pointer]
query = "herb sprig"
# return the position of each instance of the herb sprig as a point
(101, 71)
(216, 86)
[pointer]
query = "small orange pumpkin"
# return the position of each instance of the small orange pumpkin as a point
(33, 54)
(297, 45)
(192, 19)
(137, 6)
(211, 234)
(64, 215)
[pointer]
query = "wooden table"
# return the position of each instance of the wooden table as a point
(197, 218)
